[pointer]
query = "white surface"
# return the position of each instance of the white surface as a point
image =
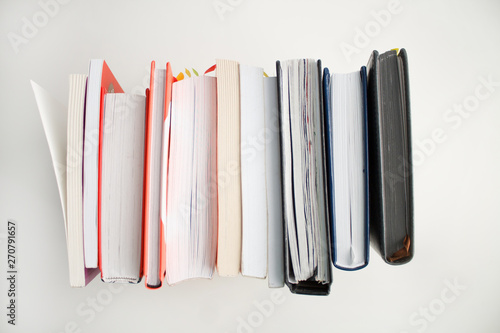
(452, 46)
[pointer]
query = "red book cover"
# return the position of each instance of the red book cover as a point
(147, 152)
(147, 177)
(166, 125)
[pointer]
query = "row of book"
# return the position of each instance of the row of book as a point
(275, 177)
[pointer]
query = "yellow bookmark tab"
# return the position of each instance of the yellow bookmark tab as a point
(188, 72)
(397, 50)
(265, 74)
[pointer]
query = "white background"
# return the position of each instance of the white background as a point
(452, 46)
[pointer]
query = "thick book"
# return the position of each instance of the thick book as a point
(120, 187)
(346, 142)
(390, 158)
(191, 212)
(306, 228)
(100, 81)
(79, 275)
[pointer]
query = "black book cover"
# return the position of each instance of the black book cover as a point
(389, 99)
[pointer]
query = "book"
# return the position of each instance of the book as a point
(55, 118)
(275, 252)
(153, 176)
(79, 275)
(120, 199)
(253, 173)
(100, 81)
(164, 165)
(347, 165)
(390, 158)
(191, 212)
(274, 177)
(306, 231)
(228, 168)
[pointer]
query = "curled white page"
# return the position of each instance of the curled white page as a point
(54, 119)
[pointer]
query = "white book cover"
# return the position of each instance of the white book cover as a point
(253, 173)
(273, 182)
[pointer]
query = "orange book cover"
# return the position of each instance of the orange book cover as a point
(166, 126)
(145, 201)
(145, 228)
(147, 153)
